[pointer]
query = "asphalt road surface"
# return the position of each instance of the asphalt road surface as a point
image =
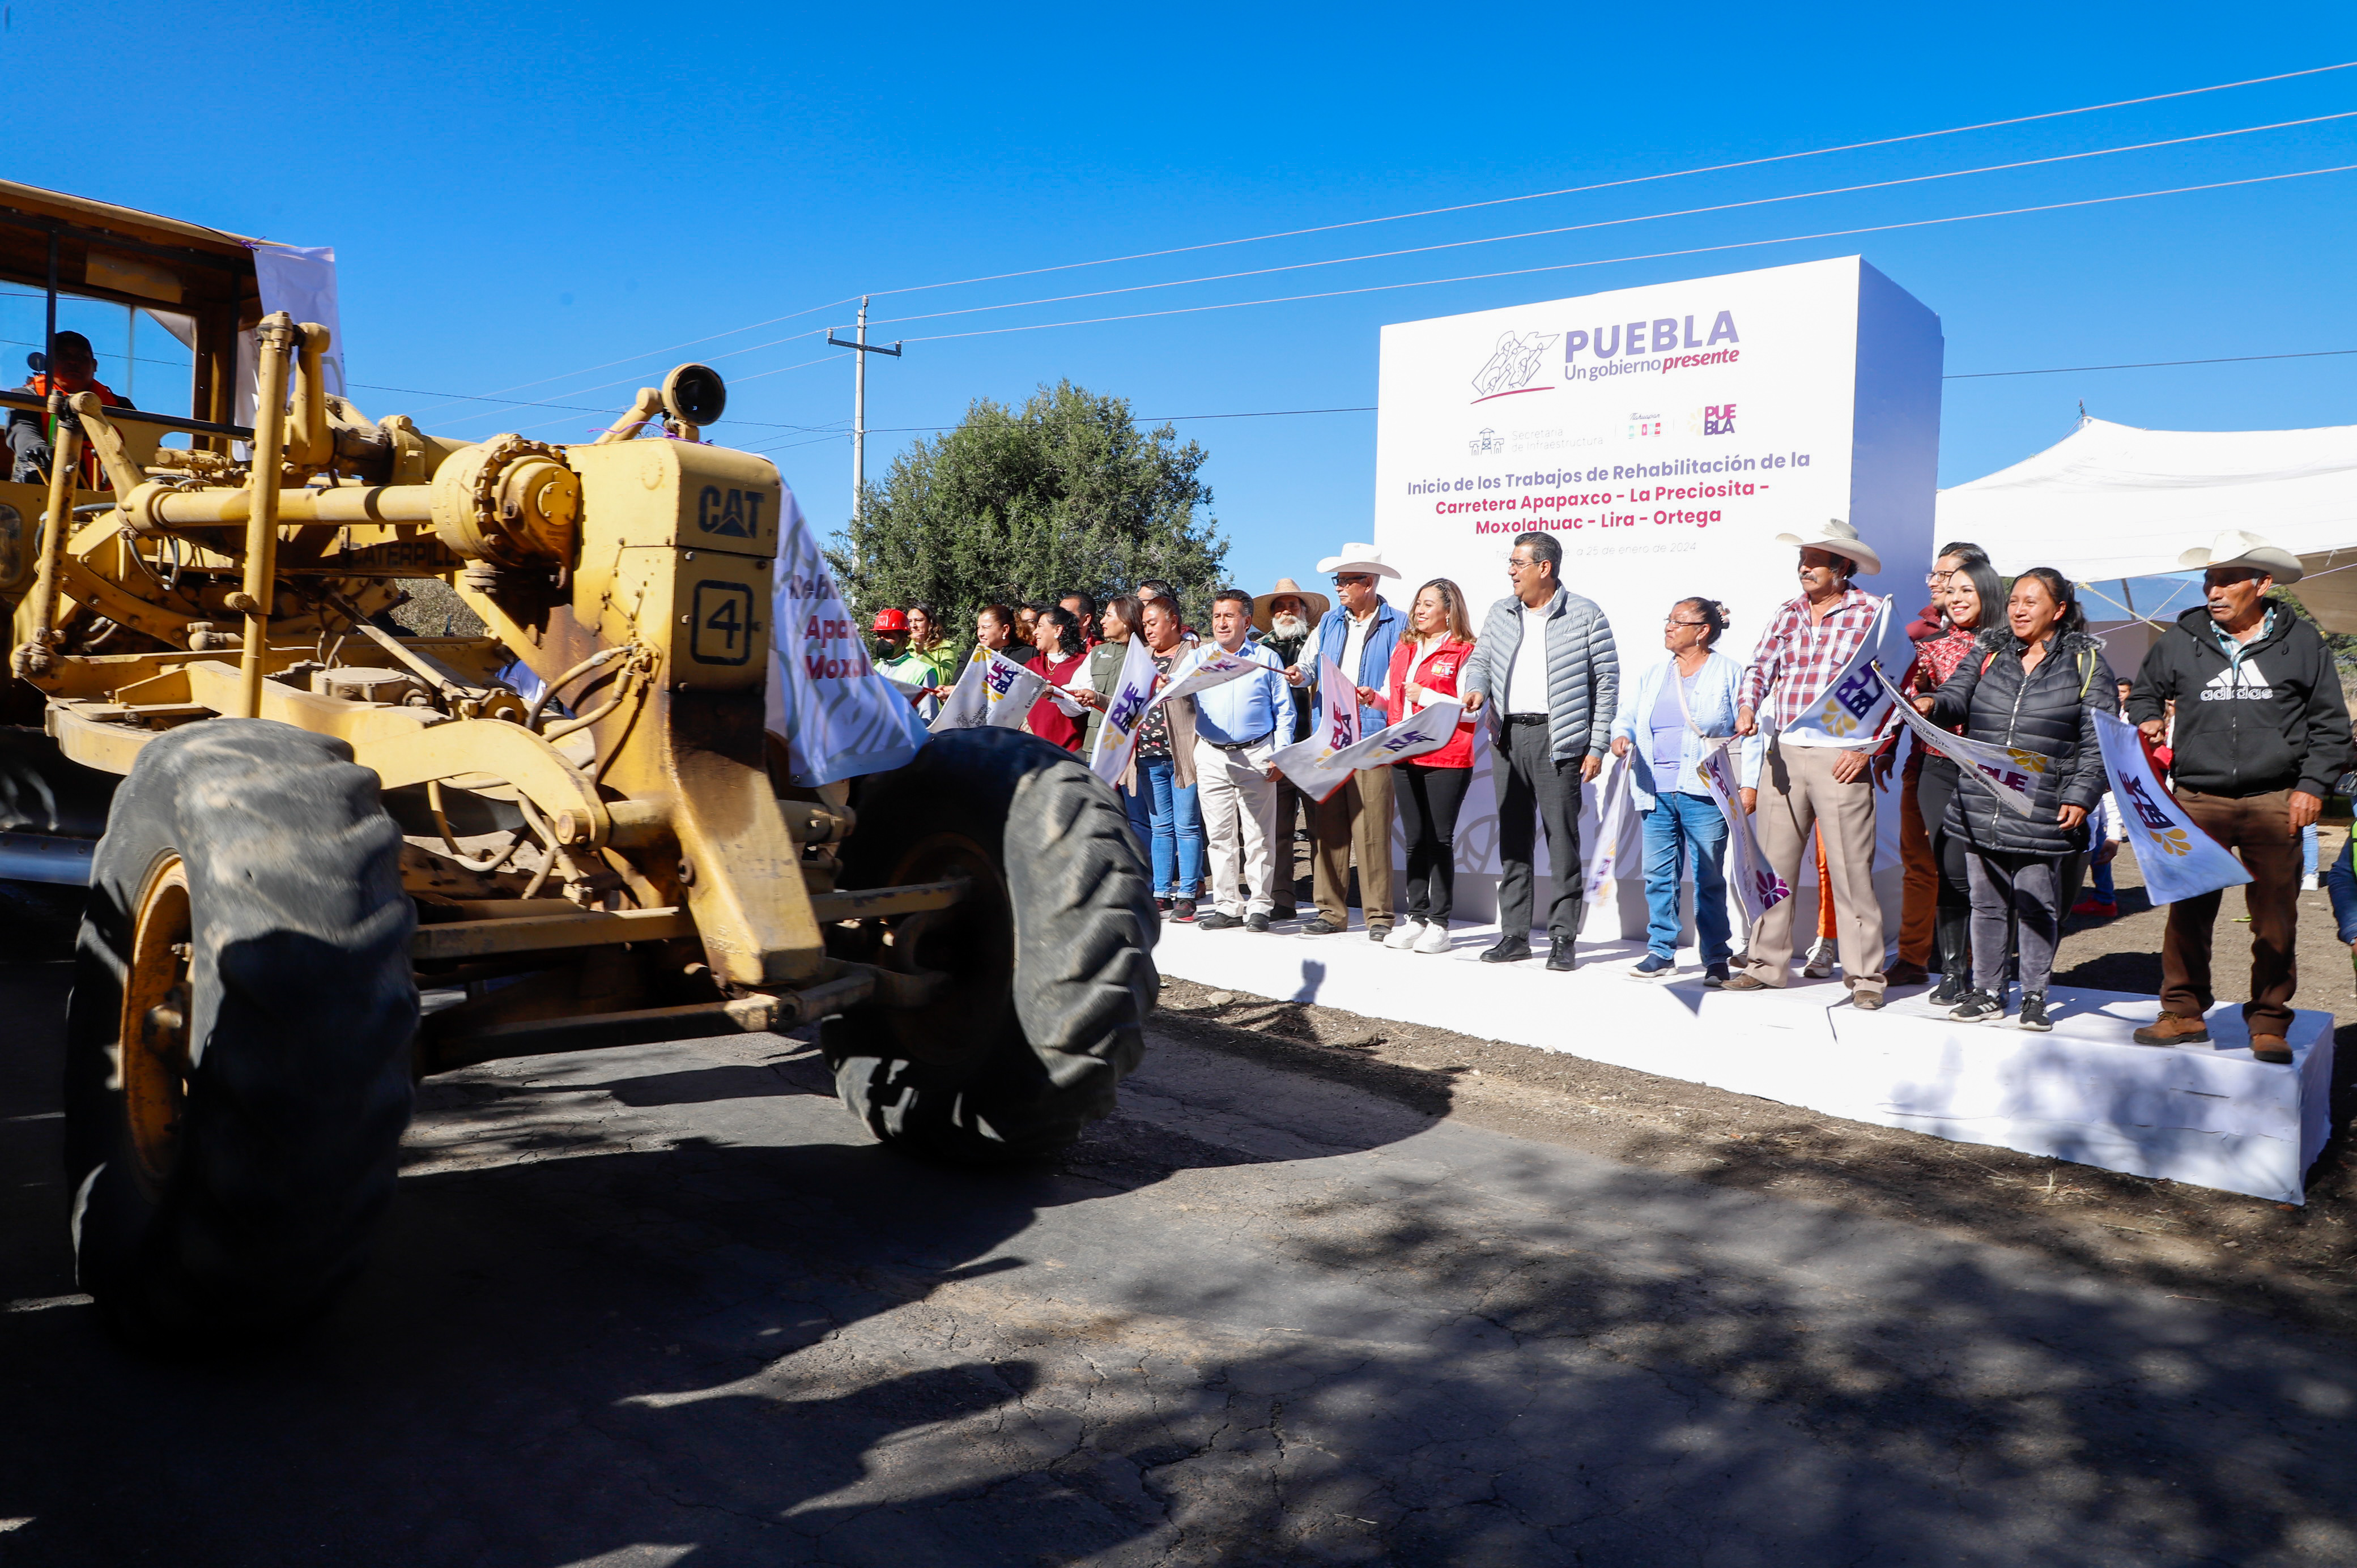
(668, 1305)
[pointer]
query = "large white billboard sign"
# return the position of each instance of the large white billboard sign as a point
(1664, 436)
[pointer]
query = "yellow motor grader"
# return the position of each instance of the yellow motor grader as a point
(326, 855)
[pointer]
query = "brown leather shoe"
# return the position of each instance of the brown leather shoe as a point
(1904, 974)
(1746, 982)
(2272, 1048)
(2175, 1029)
(1866, 1000)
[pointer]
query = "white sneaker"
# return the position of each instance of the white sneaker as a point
(2309, 885)
(1820, 963)
(1403, 934)
(1434, 937)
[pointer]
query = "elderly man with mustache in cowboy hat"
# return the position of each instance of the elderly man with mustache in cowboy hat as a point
(1286, 617)
(2262, 733)
(1809, 781)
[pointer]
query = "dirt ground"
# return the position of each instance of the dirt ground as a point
(2292, 1262)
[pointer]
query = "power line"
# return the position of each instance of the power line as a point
(1645, 256)
(1621, 222)
(1636, 179)
(1437, 211)
(2150, 364)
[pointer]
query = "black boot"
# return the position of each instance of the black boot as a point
(1952, 949)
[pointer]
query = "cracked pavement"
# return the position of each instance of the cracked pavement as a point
(670, 1305)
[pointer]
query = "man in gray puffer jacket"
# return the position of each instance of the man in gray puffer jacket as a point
(1546, 656)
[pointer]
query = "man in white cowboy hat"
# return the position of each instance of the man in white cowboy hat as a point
(1286, 617)
(1358, 636)
(2262, 733)
(1810, 781)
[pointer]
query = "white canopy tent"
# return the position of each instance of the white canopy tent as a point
(2112, 507)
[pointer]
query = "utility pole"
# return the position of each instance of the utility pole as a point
(859, 400)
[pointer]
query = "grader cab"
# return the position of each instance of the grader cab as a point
(327, 854)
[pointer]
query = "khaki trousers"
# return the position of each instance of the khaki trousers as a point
(1356, 820)
(1798, 795)
(1239, 806)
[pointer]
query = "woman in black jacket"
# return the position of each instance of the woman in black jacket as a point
(2029, 687)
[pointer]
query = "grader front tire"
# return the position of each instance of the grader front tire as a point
(1049, 959)
(237, 1077)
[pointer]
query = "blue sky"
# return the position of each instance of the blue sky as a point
(517, 195)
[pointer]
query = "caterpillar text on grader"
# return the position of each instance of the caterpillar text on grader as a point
(296, 820)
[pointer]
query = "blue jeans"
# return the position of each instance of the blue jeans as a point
(2101, 872)
(2342, 883)
(1677, 825)
(2308, 850)
(1175, 828)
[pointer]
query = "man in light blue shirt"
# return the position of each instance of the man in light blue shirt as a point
(1238, 725)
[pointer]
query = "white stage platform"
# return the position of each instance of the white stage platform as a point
(2209, 1115)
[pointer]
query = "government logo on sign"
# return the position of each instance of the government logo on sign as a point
(1512, 365)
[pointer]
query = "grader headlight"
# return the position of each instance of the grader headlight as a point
(508, 501)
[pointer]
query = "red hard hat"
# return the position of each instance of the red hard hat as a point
(890, 620)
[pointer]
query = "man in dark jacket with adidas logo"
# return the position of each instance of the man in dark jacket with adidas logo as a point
(2262, 732)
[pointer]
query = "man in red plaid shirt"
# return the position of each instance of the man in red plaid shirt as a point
(1811, 780)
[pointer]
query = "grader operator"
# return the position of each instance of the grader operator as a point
(293, 822)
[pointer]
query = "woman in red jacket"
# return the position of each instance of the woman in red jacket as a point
(1430, 788)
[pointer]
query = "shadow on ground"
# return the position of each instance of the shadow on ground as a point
(1451, 1348)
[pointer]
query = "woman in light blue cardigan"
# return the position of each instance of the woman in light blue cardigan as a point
(1665, 721)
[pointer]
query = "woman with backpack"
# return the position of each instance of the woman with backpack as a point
(2029, 686)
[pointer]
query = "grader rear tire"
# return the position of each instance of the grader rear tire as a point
(237, 1074)
(1049, 959)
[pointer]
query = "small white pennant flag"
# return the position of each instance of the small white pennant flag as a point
(1124, 712)
(1318, 769)
(2010, 772)
(2178, 860)
(1756, 887)
(991, 690)
(1611, 826)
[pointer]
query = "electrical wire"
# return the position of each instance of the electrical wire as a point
(1635, 179)
(2150, 364)
(1647, 256)
(1432, 212)
(1621, 223)
(1372, 408)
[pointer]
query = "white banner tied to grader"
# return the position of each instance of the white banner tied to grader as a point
(838, 717)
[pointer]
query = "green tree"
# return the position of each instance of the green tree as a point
(1066, 492)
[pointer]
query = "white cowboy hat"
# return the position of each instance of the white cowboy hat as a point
(1316, 604)
(1841, 539)
(1357, 558)
(2235, 548)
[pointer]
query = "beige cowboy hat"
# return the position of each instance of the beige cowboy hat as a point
(1357, 558)
(2235, 548)
(1317, 604)
(1841, 539)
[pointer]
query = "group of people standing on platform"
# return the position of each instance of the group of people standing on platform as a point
(2242, 689)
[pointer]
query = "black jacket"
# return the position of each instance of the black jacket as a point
(2277, 722)
(2045, 715)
